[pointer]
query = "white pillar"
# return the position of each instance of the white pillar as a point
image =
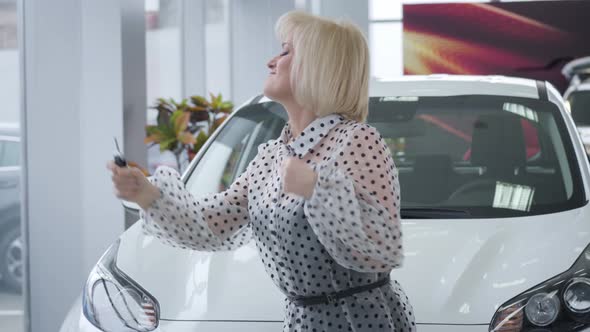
(253, 43)
(131, 30)
(193, 48)
(72, 101)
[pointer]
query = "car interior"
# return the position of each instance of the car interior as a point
(492, 158)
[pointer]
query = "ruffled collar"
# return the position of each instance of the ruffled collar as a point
(310, 136)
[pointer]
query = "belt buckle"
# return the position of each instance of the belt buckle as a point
(331, 298)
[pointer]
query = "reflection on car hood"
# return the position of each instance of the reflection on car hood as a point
(455, 272)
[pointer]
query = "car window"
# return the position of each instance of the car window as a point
(9, 153)
(580, 107)
(491, 156)
(235, 146)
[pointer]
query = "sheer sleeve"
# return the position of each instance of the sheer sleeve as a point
(214, 222)
(354, 209)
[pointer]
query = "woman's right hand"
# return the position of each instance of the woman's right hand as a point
(131, 185)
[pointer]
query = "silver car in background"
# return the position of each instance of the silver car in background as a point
(11, 246)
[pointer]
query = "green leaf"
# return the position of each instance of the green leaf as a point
(181, 121)
(200, 141)
(174, 117)
(186, 138)
(150, 130)
(168, 144)
(199, 101)
(151, 139)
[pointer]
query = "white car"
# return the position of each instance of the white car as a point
(577, 96)
(494, 186)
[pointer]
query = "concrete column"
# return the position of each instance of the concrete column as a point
(193, 48)
(133, 55)
(132, 51)
(72, 107)
(253, 43)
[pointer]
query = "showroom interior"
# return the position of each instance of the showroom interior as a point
(83, 80)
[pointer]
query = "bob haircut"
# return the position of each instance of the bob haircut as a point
(330, 64)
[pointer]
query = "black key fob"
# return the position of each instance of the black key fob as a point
(120, 161)
(119, 157)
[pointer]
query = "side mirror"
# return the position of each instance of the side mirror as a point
(131, 207)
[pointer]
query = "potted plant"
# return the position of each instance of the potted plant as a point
(184, 127)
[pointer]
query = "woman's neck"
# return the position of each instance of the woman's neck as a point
(299, 118)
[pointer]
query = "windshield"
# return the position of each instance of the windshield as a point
(580, 107)
(482, 156)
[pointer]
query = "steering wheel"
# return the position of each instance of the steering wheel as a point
(480, 186)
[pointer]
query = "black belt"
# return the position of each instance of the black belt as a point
(333, 297)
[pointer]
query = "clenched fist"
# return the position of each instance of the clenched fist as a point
(131, 185)
(298, 177)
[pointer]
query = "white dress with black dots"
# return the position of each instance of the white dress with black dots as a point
(346, 235)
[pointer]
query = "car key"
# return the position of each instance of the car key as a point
(118, 155)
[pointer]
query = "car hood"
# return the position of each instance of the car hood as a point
(455, 271)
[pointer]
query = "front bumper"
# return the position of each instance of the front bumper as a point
(252, 326)
(76, 322)
(192, 326)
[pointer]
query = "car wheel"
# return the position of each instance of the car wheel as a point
(11, 259)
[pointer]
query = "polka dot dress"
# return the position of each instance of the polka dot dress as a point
(347, 234)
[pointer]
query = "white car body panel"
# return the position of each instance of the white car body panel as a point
(229, 326)
(456, 272)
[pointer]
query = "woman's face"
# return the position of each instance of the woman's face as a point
(278, 83)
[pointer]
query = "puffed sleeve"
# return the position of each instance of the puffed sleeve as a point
(354, 209)
(214, 222)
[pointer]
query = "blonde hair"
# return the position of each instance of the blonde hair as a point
(330, 64)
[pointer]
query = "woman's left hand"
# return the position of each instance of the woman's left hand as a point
(298, 177)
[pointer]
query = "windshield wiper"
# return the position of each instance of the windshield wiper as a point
(433, 213)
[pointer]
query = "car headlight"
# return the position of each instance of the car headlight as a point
(542, 309)
(112, 301)
(577, 297)
(561, 303)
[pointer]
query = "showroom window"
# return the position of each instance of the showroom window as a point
(169, 49)
(385, 38)
(163, 51)
(217, 47)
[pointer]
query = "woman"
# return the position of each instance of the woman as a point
(321, 201)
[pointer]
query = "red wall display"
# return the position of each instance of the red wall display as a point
(524, 39)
